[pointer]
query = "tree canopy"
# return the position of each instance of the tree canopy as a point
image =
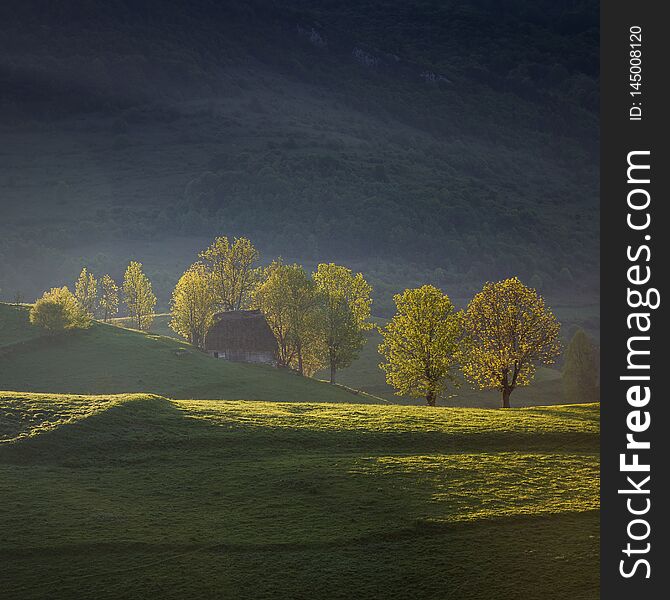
(109, 298)
(420, 343)
(193, 304)
(508, 332)
(346, 302)
(58, 310)
(138, 296)
(233, 269)
(86, 291)
(292, 306)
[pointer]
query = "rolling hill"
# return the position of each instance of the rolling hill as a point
(139, 496)
(109, 360)
(365, 375)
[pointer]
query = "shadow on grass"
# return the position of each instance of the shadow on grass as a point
(552, 556)
(135, 429)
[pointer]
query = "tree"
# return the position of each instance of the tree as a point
(233, 272)
(420, 343)
(58, 310)
(508, 331)
(580, 371)
(289, 300)
(86, 291)
(346, 309)
(109, 298)
(138, 296)
(193, 305)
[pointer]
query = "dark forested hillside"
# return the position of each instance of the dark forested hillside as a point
(449, 142)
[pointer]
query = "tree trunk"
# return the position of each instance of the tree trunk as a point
(332, 372)
(505, 397)
(301, 369)
(431, 398)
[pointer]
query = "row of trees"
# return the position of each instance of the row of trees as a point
(498, 341)
(59, 309)
(318, 320)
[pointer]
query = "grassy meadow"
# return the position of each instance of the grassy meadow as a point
(147, 469)
(366, 376)
(140, 496)
(105, 359)
(441, 143)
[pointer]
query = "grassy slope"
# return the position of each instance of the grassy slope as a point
(107, 360)
(160, 325)
(14, 327)
(365, 375)
(140, 496)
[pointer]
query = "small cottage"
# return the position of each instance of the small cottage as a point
(242, 336)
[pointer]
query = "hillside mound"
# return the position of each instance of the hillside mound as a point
(111, 360)
(222, 499)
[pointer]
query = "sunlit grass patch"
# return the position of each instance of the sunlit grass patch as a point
(506, 483)
(23, 415)
(396, 419)
(223, 498)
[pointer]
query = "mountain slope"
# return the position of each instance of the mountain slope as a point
(427, 141)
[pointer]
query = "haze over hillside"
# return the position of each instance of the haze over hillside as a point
(422, 142)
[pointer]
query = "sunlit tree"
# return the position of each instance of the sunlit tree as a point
(86, 291)
(508, 332)
(138, 296)
(346, 312)
(233, 269)
(109, 298)
(290, 302)
(58, 310)
(193, 305)
(420, 344)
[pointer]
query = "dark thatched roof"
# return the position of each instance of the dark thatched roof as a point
(240, 331)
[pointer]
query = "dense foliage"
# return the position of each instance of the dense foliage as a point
(109, 298)
(294, 309)
(346, 313)
(232, 268)
(86, 292)
(445, 142)
(138, 296)
(421, 343)
(193, 305)
(508, 332)
(58, 310)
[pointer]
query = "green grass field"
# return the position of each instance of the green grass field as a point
(160, 325)
(140, 496)
(109, 360)
(14, 326)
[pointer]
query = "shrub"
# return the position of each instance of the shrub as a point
(58, 310)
